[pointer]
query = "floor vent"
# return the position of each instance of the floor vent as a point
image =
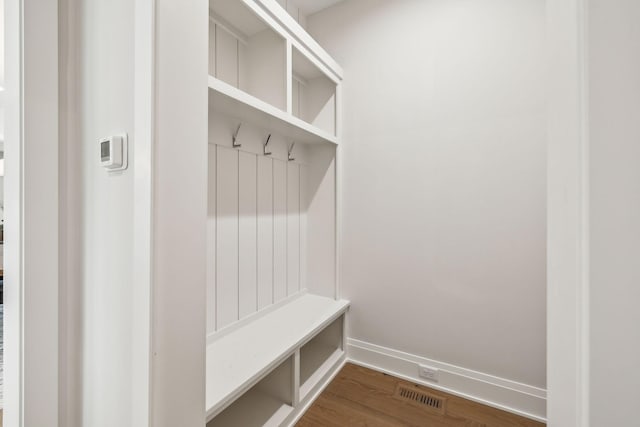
(418, 397)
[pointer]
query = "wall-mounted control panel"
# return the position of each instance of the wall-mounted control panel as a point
(113, 153)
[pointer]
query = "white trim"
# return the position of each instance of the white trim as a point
(521, 399)
(567, 216)
(339, 173)
(31, 196)
(13, 275)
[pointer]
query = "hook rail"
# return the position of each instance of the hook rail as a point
(264, 146)
(234, 139)
(290, 152)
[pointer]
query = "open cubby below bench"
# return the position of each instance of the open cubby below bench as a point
(269, 402)
(254, 366)
(319, 354)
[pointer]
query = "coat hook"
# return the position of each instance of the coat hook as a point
(290, 151)
(235, 137)
(264, 146)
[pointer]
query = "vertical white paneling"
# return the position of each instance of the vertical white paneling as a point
(279, 229)
(265, 231)
(212, 49)
(293, 228)
(255, 232)
(211, 242)
(226, 56)
(247, 246)
(227, 236)
(303, 227)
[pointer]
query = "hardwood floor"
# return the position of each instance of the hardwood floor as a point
(360, 397)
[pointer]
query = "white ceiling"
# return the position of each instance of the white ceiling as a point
(310, 7)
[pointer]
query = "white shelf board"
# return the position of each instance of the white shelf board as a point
(320, 360)
(254, 409)
(239, 359)
(226, 99)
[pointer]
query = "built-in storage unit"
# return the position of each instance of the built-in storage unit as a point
(275, 322)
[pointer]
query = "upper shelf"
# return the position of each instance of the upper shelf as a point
(271, 75)
(226, 99)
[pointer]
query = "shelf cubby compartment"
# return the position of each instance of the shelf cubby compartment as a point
(319, 356)
(268, 403)
(313, 94)
(246, 53)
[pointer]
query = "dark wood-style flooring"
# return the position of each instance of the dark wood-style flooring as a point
(360, 397)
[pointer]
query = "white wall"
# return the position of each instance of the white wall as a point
(97, 214)
(444, 178)
(614, 127)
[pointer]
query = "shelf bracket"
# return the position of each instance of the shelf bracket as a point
(290, 152)
(264, 146)
(234, 138)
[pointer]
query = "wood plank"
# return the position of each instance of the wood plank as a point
(212, 49)
(362, 397)
(265, 232)
(226, 57)
(247, 235)
(293, 228)
(279, 230)
(211, 241)
(303, 226)
(227, 237)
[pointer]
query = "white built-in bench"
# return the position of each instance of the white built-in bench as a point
(264, 371)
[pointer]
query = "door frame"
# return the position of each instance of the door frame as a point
(31, 211)
(568, 215)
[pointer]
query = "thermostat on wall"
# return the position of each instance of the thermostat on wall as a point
(113, 153)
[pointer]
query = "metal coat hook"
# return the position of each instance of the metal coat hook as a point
(290, 151)
(234, 138)
(264, 146)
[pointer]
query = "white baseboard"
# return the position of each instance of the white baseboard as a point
(511, 396)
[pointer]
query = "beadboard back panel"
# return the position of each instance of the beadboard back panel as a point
(255, 227)
(270, 220)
